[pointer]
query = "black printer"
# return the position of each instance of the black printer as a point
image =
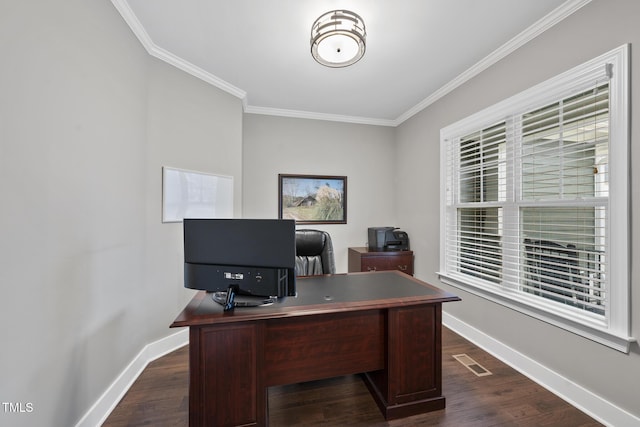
(387, 239)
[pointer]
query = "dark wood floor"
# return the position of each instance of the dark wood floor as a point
(159, 397)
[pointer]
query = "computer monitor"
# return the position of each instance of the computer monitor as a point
(257, 256)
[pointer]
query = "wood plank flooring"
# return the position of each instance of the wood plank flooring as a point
(159, 397)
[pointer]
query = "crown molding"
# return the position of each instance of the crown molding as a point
(542, 25)
(317, 116)
(122, 6)
(197, 72)
(132, 20)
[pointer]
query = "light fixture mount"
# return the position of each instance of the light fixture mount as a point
(338, 38)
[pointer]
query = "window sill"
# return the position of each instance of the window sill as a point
(594, 333)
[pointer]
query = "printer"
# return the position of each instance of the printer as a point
(387, 239)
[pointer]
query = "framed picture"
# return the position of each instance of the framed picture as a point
(189, 194)
(313, 199)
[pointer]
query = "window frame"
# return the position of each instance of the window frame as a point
(614, 331)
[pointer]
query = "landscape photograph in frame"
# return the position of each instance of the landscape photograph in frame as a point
(313, 199)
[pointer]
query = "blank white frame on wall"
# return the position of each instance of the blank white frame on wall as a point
(190, 194)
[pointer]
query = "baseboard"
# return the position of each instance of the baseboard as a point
(100, 410)
(595, 406)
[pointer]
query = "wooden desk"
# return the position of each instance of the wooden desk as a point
(386, 325)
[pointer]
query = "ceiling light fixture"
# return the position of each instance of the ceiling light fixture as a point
(338, 38)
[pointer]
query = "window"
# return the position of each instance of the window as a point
(534, 201)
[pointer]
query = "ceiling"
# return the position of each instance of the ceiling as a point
(417, 50)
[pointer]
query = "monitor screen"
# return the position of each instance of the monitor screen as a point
(257, 255)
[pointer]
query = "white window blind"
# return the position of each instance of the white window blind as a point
(529, 191)
(481, 184)
(564, 158)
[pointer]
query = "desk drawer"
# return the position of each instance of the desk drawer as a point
(361, 259)
(402, 262)
(323, 346)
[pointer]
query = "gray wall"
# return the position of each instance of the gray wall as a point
(363, 153)
(193, 126)
(89, 275)
(595, 29)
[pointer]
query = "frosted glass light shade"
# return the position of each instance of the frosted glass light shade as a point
(338, 38)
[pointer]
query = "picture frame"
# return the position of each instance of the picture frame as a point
(191, 194)
(312, 199)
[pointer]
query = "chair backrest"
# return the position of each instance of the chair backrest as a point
(550, 263)
(314, 253)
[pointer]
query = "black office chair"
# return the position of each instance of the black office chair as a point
(314, 253)
(552, 268)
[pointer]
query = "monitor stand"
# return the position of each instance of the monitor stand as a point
(233, 298)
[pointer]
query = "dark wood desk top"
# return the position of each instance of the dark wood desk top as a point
(321, 295)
